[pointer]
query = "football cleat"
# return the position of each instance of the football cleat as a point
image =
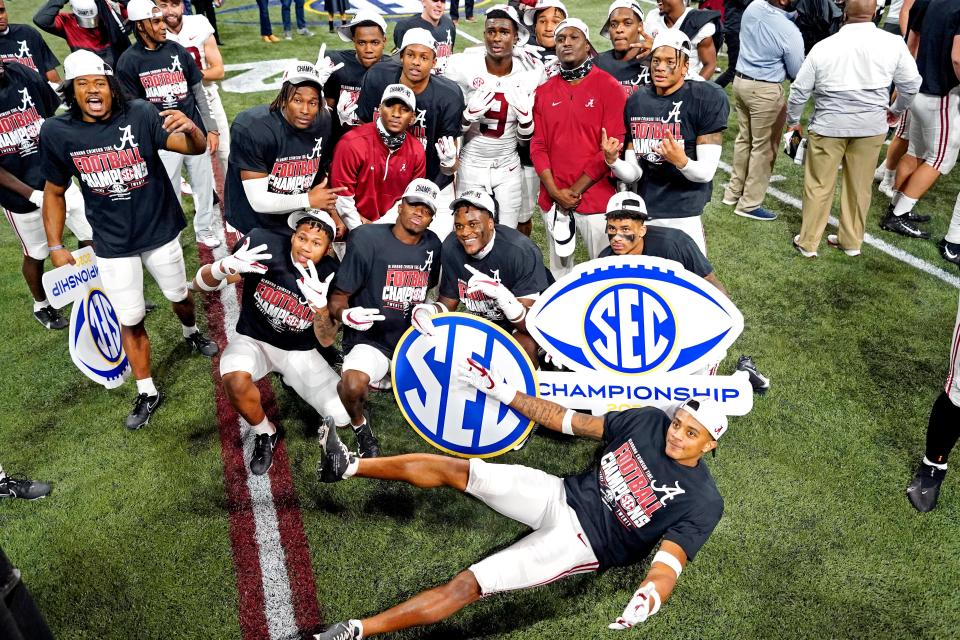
(901, 225)
(367, 444)
(143, 408)
(202, 344)
(759, 382)
(334, 457)
(349, 630)
(913, 216)
(262, 458)
(23, 488)
(50, 318)
(924, 490)
(950, 251)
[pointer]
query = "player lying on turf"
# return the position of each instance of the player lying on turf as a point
(650, 486)
(283, 319)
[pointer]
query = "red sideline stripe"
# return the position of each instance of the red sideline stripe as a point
(299, 566)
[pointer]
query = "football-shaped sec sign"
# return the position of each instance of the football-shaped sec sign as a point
(634, 315)
(451, 416)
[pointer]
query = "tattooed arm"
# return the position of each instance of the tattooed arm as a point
(550, 414)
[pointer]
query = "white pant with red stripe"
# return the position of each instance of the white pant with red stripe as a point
(558, 546)
(952, 388)
(502, 179)
(935, 130)
(32, 235)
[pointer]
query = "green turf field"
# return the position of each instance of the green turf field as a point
(818, 539)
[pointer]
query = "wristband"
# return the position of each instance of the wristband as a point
(55, 247)
(668, 559)
(566, 426)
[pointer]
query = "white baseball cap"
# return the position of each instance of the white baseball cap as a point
(295, 218)
(506, 11)
(563, 230)
(419, 36)
(476, 198)
(362, 17)
(299, 72)
(142, 10)
(576, 23)
(530, 14)
(85, 11)
(673, 38)
(620, 4)
(400, 92)
(629, 202)
(84, 63)
(423, 191)
(707, 413)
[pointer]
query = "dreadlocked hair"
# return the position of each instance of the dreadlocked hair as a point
(119, 97)
(285, 96)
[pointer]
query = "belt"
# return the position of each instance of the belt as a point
(746, 77)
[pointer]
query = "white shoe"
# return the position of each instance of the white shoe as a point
(887, 189)
(185, 188)
(801, 250)
(834, 241)
(730, 202)
(208, 238)
(880, 172)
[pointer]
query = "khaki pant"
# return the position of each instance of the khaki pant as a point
(823, 158)
(761, 113)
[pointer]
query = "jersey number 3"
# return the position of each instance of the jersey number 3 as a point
(494, 121)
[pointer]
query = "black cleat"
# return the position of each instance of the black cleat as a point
(23, 488)
(334, 457)
(759, 382)
(367, 444)
(201, 343)
(262, 458)
(950, 251)
(925, 488)
(50, 318)
(341, 631)
(902, 225)
(913, 216)
(143, 408)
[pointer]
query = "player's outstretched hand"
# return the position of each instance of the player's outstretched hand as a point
(323, 198)
(347, 109)
(473, 374)
(521, 102)
(360, 318)
(422, 316)
(325, 66)
(312, 288)
(177, 122)
(644, 603)
(611, 147)
(243, 260)
(494, 289)
(478, 105)
(447, 151)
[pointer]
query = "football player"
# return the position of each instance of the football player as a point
(164, 74)
(701, 26)
(651, 487)
(277, 155)
(367, 31)
(25, 102)
(283, 319)
(629, 59)
(498, 86)
(91, 24)
(113, 147)
(440, 27)
(386, 272)
(23, 44)
(495, 271)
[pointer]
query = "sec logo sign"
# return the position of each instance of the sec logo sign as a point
(634, 315)
(95, 344)
(446, 413)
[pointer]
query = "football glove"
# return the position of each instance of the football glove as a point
(473, 374)
(478, 105)
(244, 260)
(325, 66)
(521, 102)
(512, 309)
(639, 608)
(422, 316)
(311, 287)
(36, 198)
(360, 318)
(347, 109)
(447, 151)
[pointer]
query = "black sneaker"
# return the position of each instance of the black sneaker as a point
(913, 216)
(759, 382)
(367, 444)
(143, 408)
(50, 318)
(925, 488)
(23, 488)
(262, 458)
(334, 457)
(950, 251)
(901, 225)
(341, 631)
(201, 343)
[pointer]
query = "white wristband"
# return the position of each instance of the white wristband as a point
(668, 559)
(567, 425)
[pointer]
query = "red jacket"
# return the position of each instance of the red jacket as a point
(566, 137)
(375, 177)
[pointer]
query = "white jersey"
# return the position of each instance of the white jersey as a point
(495, 136)
(654, 23)
(194, 32)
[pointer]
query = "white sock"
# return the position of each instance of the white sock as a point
(357, 426)
(37, 305)
(188, 331)
(264, 426)
(359, 627)
(942, 467)
(146, 386)
(889, 176)
(953, 232)
(3, 473)
(352, 468)
(904, 205)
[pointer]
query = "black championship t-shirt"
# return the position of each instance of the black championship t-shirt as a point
(129, 199)
(272, 309)
(638, 495)
(24, 44)
(26, 100)
(631, 74)
(514, 261)
(163, 76)
(445, 35)
(380, 272)
(696, 109)
(941, 24)
(262, 141)
(439, 109)
(346, 79)
(672, 244)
